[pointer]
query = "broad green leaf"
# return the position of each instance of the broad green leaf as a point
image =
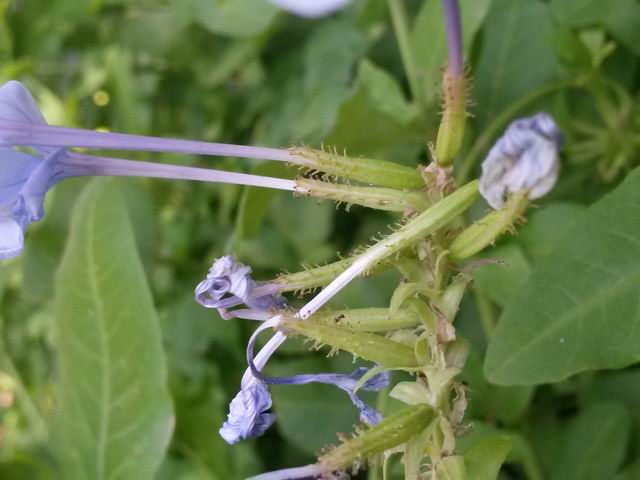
(546, 227)
(579, 310)
(521, 253)
(114, 419)
(516, 55)
(483, 459)
(594, 444)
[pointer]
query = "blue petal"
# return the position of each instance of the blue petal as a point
(17, 104)
(29, 206)
(15, 170)
(11, 238)
(248, 417)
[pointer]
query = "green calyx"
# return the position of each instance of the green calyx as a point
(368, 346)
(393, 431)
(379, 198)
(365, 170)
(368, 319)
(319, 276)
(452, 125)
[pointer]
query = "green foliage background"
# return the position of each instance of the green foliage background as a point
(103, 349)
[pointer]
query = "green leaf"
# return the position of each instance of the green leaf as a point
(373, 122)
(579, 310)
(44, 246)
(115, 415)
(619, 17)
(228, 17)
(632, 472)
(624, 386)
(594, 444)
(520, 453)
(501, 281)
(515, 56)
(483, 459)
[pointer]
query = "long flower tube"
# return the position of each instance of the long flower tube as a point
(26, 178)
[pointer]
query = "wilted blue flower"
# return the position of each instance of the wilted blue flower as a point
(25, 178)
(524, 158)
(248, 417)
(347, 383)
(229, 284)
(311, 8)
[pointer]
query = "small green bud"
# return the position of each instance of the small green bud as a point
(485, 231)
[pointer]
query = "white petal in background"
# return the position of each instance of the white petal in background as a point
(311, 8)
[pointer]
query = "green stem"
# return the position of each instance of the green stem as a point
(498, 123)
(401, 30)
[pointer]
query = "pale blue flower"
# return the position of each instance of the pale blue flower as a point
(248, 416)
(525, 158)
(229, 284)
(311, 8)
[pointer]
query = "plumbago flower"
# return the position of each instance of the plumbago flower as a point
(26, 176)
